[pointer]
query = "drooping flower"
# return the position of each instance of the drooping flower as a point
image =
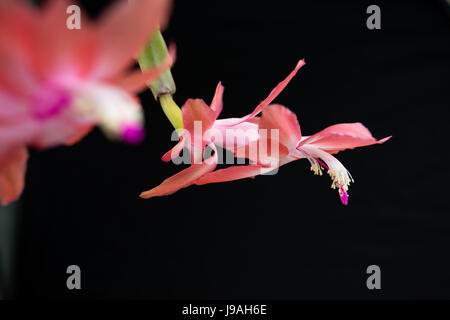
(202, 129)
(57, 83)
(288, 141)
(318, 149)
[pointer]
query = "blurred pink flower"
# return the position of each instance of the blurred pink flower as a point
(56, 83)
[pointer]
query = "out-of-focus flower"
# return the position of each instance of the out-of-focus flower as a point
(318, 149)
(202, 129)
(56, 83)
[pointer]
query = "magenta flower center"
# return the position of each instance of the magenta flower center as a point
(49, 102)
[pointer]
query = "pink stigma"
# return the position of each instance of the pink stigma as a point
(132, 133)
(343, 194)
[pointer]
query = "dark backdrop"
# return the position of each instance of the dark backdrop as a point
(283, 236)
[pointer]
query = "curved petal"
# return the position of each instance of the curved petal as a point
(277, 117)
(175, 151)
(137, 81)
(182, 179)
(277, 90)
(197, 119)
(273, 94)
(12, 175)
(342, 136)
(230, 174)
(124, 30)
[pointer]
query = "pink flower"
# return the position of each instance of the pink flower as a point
(285, 146)
(56, 83)
(202, 128)
(317, 149)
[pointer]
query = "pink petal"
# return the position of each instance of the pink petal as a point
(195, 113)
(277, 117)
(18, 20)
(342, 136)
(230, 174)
(64, 129)
(62, 53)
(18, 23)
(273, 94)
(12, 175)
(182, 179)
(125, 29)
(235, 136)
(277, 90)
(217, 101)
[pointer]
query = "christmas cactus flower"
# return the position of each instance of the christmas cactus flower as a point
(252, 137)
(202, 129)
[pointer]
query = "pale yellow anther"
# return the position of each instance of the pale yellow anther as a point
(316, 169)
(340, 178)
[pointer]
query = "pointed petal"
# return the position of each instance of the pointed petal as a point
(217, 101)
(182, 179)
(230, 174)
(12, 175)
(273, 94)
(277, 90)
(342, 136)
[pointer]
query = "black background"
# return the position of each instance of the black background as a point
(277, 237)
